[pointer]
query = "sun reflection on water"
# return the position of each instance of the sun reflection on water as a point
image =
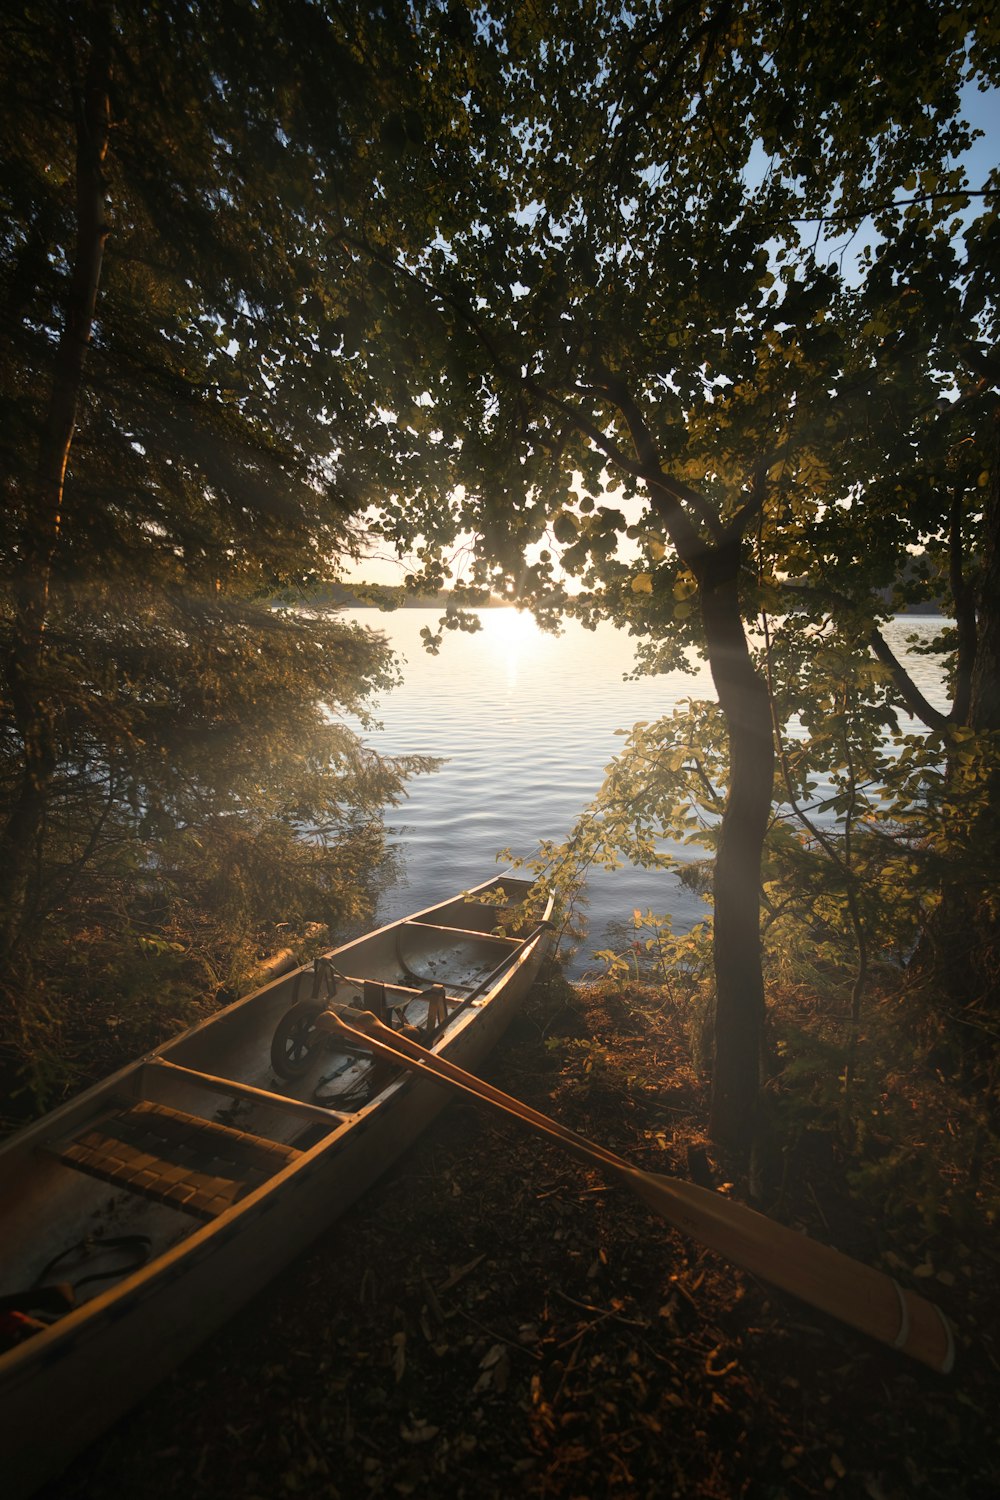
(514, 638)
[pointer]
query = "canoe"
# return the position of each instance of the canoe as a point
(139, 1216)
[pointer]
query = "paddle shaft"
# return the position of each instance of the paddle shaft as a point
(398, 1049)
(855, 1293)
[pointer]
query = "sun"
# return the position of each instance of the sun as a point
(513, 635)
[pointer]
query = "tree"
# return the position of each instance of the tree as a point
(662, 348)
(921, 474)
(200, 377)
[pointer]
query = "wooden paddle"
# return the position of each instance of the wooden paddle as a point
(826, 1278)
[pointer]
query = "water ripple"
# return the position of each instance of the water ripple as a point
(528, 724)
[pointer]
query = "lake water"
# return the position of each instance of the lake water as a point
(527, 723)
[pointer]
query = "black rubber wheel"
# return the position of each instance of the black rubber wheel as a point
(295, 1039)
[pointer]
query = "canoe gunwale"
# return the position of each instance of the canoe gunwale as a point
(199, 1244)
(303, 1182)
(124, 1077)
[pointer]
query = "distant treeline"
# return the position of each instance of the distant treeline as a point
(381, 596)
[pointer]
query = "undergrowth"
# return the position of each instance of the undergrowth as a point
(880, 1105)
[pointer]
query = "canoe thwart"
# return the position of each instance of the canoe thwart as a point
(397, 996)
(175, 1158)
(234, 1090)
(490, 940)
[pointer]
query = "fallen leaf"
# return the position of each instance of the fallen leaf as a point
(420, 1432)
(398, 1355)
(495, 1367)
(463, 1271)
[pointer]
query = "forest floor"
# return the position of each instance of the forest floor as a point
(494, 1320)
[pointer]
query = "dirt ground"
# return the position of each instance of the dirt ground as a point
(494, 1320)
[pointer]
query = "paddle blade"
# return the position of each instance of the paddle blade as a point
(825, 1278)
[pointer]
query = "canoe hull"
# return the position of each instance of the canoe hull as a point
(64, 1386)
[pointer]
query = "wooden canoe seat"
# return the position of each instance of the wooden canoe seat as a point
(176, 1158)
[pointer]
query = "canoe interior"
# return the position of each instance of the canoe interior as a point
(154, 1152)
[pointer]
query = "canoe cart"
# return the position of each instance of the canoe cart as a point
(141, 1215)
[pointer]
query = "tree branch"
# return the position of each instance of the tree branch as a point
(874, 208)
(668, 494)
(910, 695)
(751, 509)
(908, 691)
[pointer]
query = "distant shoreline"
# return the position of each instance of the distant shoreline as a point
(384, 597)
(388, 599)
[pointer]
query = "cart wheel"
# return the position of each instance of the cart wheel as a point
(295, 1039)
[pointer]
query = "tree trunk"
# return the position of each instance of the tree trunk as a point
(33, 711)
(959, 951)
(963, 597)
(984, 708)
(743, 697)
(979, 944)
